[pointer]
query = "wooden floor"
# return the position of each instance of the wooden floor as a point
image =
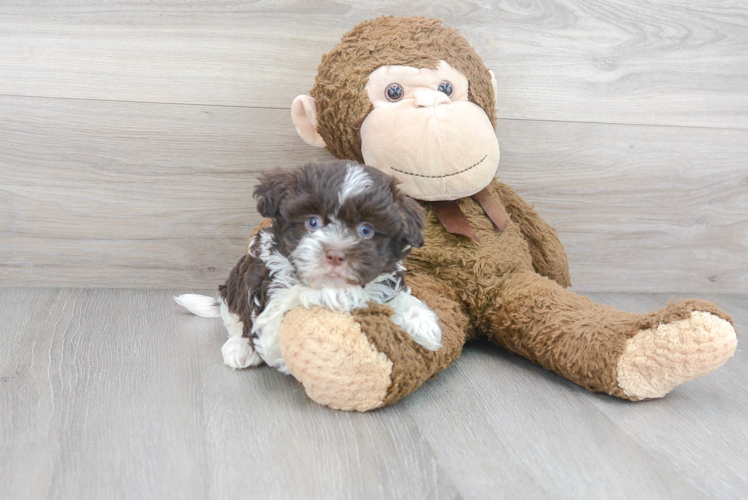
(120, 394)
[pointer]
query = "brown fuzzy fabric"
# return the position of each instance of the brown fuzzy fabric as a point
(412, 364)
(342, 102)
(547, 252)
(337, 365)
(569, 334)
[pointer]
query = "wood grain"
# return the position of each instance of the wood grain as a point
(128, 194)
(110, 194)
(121, 394)
(638, 208)
(694, 410)
(669, 62)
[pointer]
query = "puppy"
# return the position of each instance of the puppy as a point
(338, 235)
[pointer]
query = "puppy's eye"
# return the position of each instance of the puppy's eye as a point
(445, 87)
(313, 223)
(365, 230)
(394, 92)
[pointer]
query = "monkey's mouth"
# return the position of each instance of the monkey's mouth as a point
(445, 175)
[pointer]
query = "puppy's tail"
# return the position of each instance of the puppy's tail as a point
(200, 305)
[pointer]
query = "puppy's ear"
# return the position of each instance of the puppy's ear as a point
(413, 219)
(270, 192)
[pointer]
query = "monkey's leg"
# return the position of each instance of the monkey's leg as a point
(632, 356)
(362, 361)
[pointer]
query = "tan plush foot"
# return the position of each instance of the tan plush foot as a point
(335, 362)
(658, 359)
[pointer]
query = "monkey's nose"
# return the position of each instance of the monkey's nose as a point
(334, 257)
(427, 98)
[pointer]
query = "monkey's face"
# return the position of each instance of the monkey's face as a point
(417, 125)
(425, 132)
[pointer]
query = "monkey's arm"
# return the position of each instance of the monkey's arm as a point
(548, 255)
(363, 360)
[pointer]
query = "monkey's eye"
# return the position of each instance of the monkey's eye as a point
(394, 92)
(313, 223)
(445, 87)
(365, 230)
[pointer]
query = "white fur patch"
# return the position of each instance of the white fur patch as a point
(418, 320)
(232, 322)
(309, 256)
(356, 182)
(199, 305)
(237, 353)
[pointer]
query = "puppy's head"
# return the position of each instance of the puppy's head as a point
(340, 224)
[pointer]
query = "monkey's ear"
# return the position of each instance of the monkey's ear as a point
(270, 192)
(304, 116)
(495, 88)
(413, 220)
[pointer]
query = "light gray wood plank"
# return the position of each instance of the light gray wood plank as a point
(120, 394)
(646, 209)
(127, 194)
(109, 194)
(666, 62)
(513, 430)
(492, 408)
(698, 421)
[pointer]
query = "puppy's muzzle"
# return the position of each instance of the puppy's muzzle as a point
(335, 257)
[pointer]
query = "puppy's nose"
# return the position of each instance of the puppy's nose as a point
(334, 257)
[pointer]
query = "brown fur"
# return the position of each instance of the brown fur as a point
(248, 276)
(412, 365)
(290, 198)
(547, 253)
(421, 42)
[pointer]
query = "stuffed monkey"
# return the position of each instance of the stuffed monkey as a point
(411, 97)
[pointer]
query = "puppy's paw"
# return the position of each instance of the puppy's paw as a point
(421, 323)
(418, 320)
(237, 353)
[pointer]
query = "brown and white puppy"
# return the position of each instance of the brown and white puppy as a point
(338, 236)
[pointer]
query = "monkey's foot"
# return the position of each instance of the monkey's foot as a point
(658, 359)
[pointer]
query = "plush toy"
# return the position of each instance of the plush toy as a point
(411, 97)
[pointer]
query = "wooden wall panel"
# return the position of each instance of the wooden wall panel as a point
(116, 194)
(96, 193)
(668, 62)
(638, 208)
